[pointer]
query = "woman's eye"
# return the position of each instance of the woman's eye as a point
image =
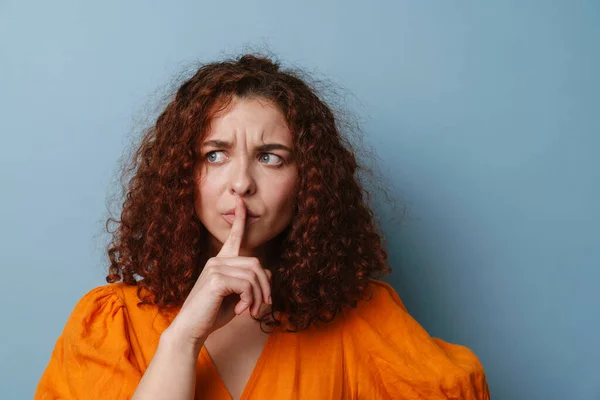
(271, 157)
(211, 156)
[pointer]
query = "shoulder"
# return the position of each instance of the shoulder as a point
(94, 349)
(381, 293)
(98, 298)
(402, 357)
(379, 306)
(119, 293)
(92, 307)
(381, 320)
(381, 317)
(114, 295)
(101, 307)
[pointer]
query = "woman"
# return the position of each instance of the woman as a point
(244, 210)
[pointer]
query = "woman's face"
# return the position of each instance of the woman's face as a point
(247, 152)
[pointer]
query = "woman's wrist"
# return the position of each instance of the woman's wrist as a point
(171, 373)
(179, 341)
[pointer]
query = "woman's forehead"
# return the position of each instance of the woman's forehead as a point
(255, 119)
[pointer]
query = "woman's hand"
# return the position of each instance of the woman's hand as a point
(227, 286)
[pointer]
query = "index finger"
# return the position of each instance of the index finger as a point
(231, 247)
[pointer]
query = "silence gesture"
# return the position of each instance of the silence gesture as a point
(228, 285)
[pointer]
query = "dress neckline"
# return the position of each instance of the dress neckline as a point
(255, 371)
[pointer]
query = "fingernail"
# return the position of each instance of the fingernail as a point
(270, 300)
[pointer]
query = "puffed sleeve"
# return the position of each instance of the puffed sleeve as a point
(92, 358)
(393, 357)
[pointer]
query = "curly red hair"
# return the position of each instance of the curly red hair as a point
(325, 257)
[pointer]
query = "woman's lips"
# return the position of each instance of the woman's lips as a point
(230, 217)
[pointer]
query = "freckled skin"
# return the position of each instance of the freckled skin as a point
(266, 180)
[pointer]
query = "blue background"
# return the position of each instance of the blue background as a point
(484, 116)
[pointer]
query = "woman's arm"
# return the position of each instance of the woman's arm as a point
(172, 371)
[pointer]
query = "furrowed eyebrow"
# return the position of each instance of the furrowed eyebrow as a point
(227, 145)
(216, 143)
(273, 146)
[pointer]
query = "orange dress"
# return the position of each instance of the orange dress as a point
(374, 351)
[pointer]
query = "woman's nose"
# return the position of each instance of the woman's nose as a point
(241, 181)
